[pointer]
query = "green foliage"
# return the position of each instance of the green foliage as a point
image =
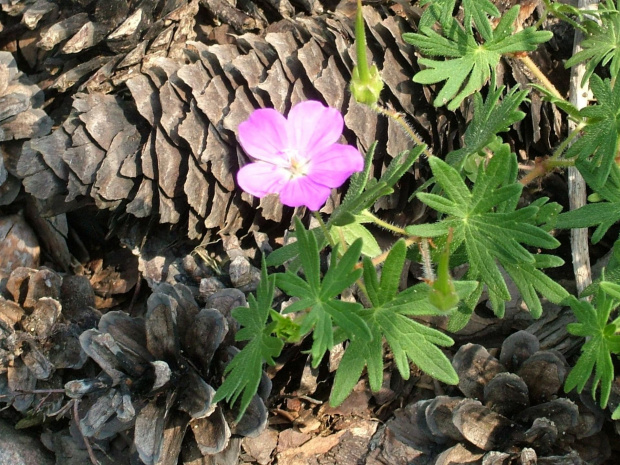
(490, 118)
(285, 328)
(601, 214)
(477, 10)
(601, 341)
(564, 105)
(318, 297)
(472, 63)
(612, 272)
(492, 230)
(598, 147)
(389, 318)
(602, 42)
(565, 12)
(244, 372)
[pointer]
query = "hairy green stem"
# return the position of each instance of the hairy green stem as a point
(569, 140)
(360, 44)
(535, 70)
(384, 224)
(550, 163)
(398, 118)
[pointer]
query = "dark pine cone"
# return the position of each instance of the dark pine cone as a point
(156, 381)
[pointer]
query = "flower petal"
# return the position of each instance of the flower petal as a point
(261, 178)
(313, 127)
(304, 191)
(263, 136)
(335, 165)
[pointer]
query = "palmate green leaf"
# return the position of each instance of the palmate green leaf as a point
(491, 229)
(408, 340)
(472, 63)
(490, 117)
(595, 358)
(602, 214)
(244, 372)
(597, 148)
(601, 44)
(318, 296)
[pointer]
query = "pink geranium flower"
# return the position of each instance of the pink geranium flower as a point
(298, 157)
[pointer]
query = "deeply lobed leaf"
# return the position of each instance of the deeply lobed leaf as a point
(471, 63)
(597, 148)
(595, 359)
(318, 297)
(601, 46)
(490, 117)
(244, 372)
(493, 231)
(389, 318)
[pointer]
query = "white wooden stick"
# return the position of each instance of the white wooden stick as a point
(579, 97)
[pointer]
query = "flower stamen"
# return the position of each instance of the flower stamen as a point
(298, 166)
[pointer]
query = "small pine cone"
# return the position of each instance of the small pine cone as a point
(517, 417)
(38, 342)
(156, 381)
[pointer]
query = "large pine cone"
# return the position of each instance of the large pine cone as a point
(151, 126)
(164, 145)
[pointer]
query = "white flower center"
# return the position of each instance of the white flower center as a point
(297, 165)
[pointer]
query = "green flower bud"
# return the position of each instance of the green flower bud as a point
(285, 328)
(443, 294)
(366, 91)
(366, 84)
